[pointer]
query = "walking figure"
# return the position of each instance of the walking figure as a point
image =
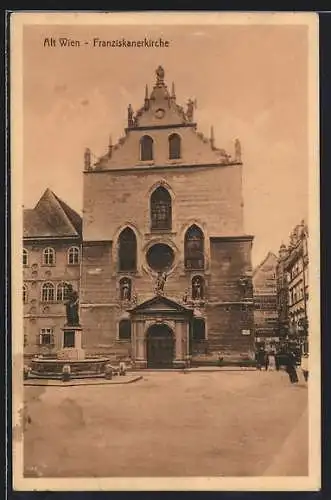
(304, 366)
(291, 368)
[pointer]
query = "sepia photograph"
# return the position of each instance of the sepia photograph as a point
(165, 251)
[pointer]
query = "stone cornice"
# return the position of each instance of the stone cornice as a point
(167, 167)
(160, 127)
(87, 243)
(226, 239)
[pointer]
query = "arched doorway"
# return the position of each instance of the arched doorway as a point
(160, 346)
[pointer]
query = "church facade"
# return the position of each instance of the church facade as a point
(166, 271)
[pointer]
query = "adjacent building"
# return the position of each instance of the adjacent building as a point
(51, 258)
(166, 265)
(265, 300)
(293, 284)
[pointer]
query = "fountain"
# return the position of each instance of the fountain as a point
(71, 361)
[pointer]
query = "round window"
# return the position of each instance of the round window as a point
(160, 257)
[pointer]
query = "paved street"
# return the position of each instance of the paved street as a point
(235, 423)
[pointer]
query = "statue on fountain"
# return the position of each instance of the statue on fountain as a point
(72, 306)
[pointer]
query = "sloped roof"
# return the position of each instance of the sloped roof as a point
(51, 217)
(270, 255)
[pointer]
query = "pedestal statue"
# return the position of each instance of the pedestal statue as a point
(72, 306)
(160, 282)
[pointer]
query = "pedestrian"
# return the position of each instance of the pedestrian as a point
(271, 360)
(291, 367)
(304, 366)
(259, 358)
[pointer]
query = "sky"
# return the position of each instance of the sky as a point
(250, 82)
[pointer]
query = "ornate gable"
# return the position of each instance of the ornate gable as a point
(159, 117)
(160, 304)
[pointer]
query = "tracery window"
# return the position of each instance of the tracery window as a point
(174, 147)
(161, 212)
(127, 250)
(146, 148)
(194, 248)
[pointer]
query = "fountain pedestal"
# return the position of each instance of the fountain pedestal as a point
(72, 344)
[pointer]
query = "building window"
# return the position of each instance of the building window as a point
(25, 257)
(62, 292)
(73, 256)
(198, 329)
(146, 148)
(124, 329)
(46, 336)
(48, 292)
(160, 209)
(174, 147)
(198, 288)
(125, 289)
(127, 250)
(25, 294)
(194, 248)
(160, 257)
(48, 257)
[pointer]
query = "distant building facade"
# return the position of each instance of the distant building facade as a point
(166, 265)
(51, 258)
(265, 300)
(293, 284)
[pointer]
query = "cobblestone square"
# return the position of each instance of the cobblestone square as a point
(225, 423)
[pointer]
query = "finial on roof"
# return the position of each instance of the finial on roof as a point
(191, 105)
(237, 151)
(282, 251)
(146, 105)
(173, 92)
(159, 76)
(110, 146)
(87, 159)
(212, 137)
(130, 116)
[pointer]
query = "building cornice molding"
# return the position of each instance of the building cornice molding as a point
(87, 243)
(228, 239)
(167, 167)
(160, 127)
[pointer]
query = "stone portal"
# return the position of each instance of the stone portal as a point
(160, 333)
(160, 346)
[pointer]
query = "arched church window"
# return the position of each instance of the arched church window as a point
(198, 285)
(174, 147)
(161, 209)
(198, 329)
(127, 250)
(124, 329)
(194, 248)
(146, 148)
(125, 289)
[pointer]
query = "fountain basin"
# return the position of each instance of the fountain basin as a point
(79, 368)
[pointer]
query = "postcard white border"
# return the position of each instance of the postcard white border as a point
(313, 481)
